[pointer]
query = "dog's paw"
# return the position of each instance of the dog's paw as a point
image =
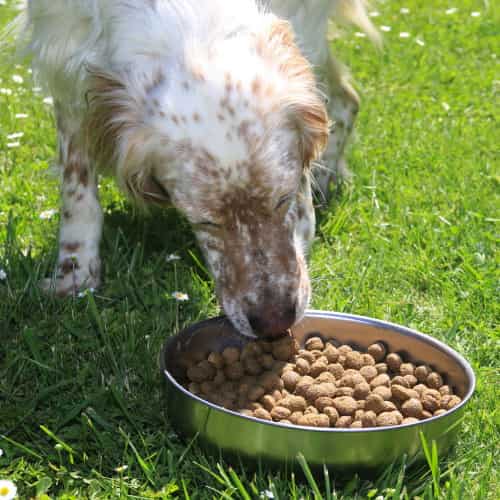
(71, 279)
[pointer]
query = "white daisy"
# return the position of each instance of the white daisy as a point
(48, 214)
(8, 490)
(452, 10)
(172, 257)
(359, 34)
(385, 28)
(17, 78)
(475, 14)
(266, 494)
(404, 10)
(5, 91)
(15, 135)
(3, 276)
(121, 468)
(419, 42)
(21, 115)
(404, 34)
(180, 296)
(49, 101)
(374, 13)
(37, 89)
(15, 144)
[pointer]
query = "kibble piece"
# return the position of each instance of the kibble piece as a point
(262, 413)
(251, 349)
(400, 393)
(383, 391)
(393, 361)
(410, 420)
(347, 381)
(331, 353)
(422, 372)
(439, 412)
(255, 393)
(389, 406)
(430, 401)
(302, 366)
(295, 416)
(266, 361)
(311, 409)
(307, 355)
(303, 385)
(361, 390)
(201, 372)
(271, 381)
(288, 367)
(368, 372)
(344, 391)
(345, 405)
(231, 355)
(252, 366)
(246, 412)
(378, 351)
(434, 380)
(381, 368)
(265, 346)
(285, 421)
(367, 359)
(399, 380)
(426, 414)
(358, 415)
(219, 378)
(412, 408)
(234, 371)
(280, 413)
(375, 403)
(344, 421)
(194, 388)
(344, 349)
(407, 369)
(216, 359)
(207, 387)
(268, 402)
(389, 418)
(285, 348)
(420, 388)
(322, 402)
(290, 379)
(361, 404)
(411, 380)
(449, 402)
(336, 369)
(445, 390)
(332, 414)
(369, 419)
(325, 377)
(382, 379)
(353, 360)
(254, 405)
(341, 359)
(317, 367)
(294, 403)
(356, 424)
(277, 395)
(314, 343)
(314, 420)
(318, 390)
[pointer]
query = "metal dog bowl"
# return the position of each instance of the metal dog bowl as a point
(235, 435)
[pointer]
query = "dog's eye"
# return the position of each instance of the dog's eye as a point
(284, 200)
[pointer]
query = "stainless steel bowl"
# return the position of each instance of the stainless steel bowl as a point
(233, 434)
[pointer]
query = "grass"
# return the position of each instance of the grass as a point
(413, 240)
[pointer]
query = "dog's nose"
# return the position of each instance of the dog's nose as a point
(272, 322)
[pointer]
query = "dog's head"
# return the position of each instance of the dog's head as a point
(228, 139)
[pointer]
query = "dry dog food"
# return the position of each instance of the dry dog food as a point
(322, 385)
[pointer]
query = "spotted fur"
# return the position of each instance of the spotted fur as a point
(213, 109)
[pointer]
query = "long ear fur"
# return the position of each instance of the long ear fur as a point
(303, 103)
(117, 134)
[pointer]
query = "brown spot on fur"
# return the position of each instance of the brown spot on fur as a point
(79, 197)
(196, 117)
(69, 265)
(185, 85)
(67, 214)
(84, 177)
(175, 119)
(70, 246)
(220, 117)
(256, 86)
(162, 114)
(156, 102)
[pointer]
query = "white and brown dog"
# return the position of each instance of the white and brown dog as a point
(209, 106)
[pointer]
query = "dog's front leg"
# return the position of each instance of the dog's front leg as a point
(78, 264)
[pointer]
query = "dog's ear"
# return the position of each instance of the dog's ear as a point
(302, 102)
(119, 138)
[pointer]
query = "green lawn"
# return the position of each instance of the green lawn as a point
(413, 241)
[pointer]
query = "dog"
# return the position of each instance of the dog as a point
(211, 107)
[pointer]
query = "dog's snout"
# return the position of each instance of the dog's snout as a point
(272, 321)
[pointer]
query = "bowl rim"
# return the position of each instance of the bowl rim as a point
(343, 317)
